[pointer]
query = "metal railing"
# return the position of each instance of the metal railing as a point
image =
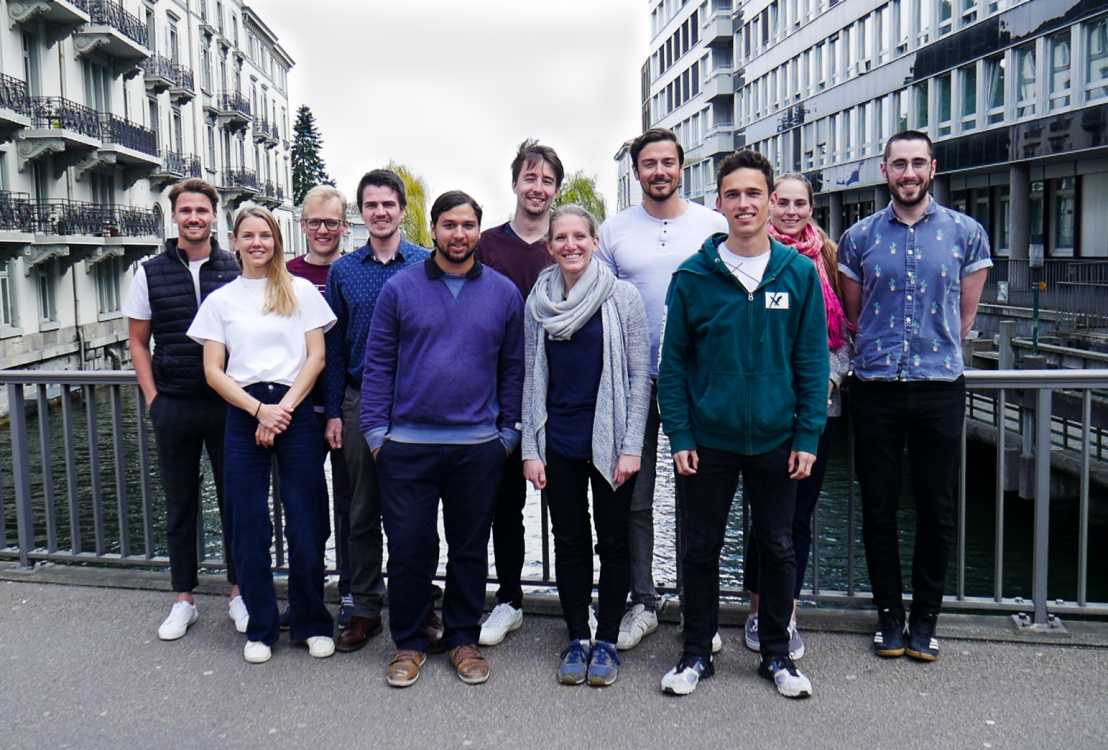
(158, 66)
(232, 101)
(16, 213)
(66, 217)
(123, 132)
(1075, 286)
(62, 114)
(113, 14)
(38, 460)
(239, 178)
(13, 95)
(183, 78)
(181, 164)
(261, 128)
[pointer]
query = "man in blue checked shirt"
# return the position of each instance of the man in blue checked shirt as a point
(353, 285)
(911, 276)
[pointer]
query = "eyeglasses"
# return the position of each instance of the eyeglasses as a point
(901, 165)
(315, 224)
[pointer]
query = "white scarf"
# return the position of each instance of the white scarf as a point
(561, 314)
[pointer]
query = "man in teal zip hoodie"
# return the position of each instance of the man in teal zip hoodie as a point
(742, 389)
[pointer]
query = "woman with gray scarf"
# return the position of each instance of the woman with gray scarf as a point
(586, 393)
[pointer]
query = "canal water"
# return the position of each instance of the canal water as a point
(831, 523)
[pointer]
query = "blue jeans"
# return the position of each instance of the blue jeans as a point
(412, 477)
(247, 468)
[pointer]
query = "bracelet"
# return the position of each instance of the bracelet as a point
(256, 411)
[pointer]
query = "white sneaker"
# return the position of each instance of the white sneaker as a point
(236, 610)
(180, 617)
(256, 652)
(321, 646)
(717, 643)
(503, 619)
(683, 679)
(636, 623)
(789, 680)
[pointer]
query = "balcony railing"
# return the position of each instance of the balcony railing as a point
(234, 102)
(280, 193)
(157, 66)
(59, 113)
(13, 95)
(113, 14)
(261, 128)
(16, 214)
(67, 217)
(239, 178)
(181, 164)
(184, 78)
(125, 133)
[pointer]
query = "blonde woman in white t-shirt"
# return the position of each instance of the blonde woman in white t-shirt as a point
(263, 350)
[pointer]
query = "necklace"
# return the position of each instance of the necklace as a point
(738, 268)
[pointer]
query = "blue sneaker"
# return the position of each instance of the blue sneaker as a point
(922, 643)
(346, 611)
(603, 664)
(683, 679)
(888, 639)
(575, 663)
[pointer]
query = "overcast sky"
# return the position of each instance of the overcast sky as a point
(450, 87)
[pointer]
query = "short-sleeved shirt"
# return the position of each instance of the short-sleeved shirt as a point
(910, 324)
(646, 251)
(261, 347)
(137, 304)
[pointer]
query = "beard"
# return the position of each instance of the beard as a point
(450, 258)
(921, 195)
(648, 190)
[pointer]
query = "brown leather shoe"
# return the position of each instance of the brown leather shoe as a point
(357, 633)
(472, 668)
(433, 629)
(404, 668)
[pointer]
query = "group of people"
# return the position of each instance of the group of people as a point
(551, 350)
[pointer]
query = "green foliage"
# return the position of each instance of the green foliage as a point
(417, 224)
(581, 189)
(308, 168)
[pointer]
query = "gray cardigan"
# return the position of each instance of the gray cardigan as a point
(623, 398)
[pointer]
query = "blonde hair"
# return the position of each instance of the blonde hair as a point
(830, 250)
(279, 296)
(571, 209)
(323, 193)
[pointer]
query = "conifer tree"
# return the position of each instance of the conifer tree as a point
(308, 168)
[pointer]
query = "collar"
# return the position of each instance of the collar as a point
(434, 272)
(172, 248)
(932, 207)
(365, 253)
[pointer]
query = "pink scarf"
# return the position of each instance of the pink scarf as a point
(809, 243)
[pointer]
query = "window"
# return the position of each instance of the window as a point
(817, 67)
(1059, 73)
(903, 24)
(1064, 227)
(847, 42)
(1026, 94)
(1096, 50)
(870, 129)
(920, 93)
(969, 11)
(900, 110)
(206, 65)
(832, 60)
(994, 88)
(881, 32)
(211, 145)
(47, 303)
(848, 134)
(946, 17)
(967, 81)
(1000, 221)
(923, 20)
(942, 102)
(108, 272)
(8, 316)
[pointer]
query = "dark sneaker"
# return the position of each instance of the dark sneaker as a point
(575, 663)
(683, 679)
(922, 644)
(889, 640)
(603, 664)
(283, 620)
(790, 682)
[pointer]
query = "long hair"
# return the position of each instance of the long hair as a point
(279, 296)
(830, 250)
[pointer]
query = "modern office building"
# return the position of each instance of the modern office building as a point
(688, 85)
(1013, 92)
(628, 189)
(103, 106)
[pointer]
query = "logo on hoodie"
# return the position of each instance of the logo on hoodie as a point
(777, 300)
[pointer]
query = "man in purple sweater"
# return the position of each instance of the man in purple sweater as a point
(441, 397)
(517, 249)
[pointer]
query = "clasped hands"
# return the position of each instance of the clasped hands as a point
(534, 471)
(273, 419)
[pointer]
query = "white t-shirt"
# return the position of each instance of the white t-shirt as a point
(646, 251)
(747, 269)
(137, 304)
(261, 348)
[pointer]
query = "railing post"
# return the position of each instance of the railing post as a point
(21, 473)
(1042, 506)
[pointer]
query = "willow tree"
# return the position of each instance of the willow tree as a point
(416, 226)
(580, 188)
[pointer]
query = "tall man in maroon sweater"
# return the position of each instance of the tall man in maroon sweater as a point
(517, 249)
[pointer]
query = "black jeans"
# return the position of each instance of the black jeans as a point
(412, 478)
(807, 494)
(507, 531)
(364, 541)
(567, 483)
(927, 416)
(183, 428)
(340, 489)
(772, 499)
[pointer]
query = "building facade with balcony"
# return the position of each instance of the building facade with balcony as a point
(688, 85)
(1014, 94)
(104, 104)
(628, 189)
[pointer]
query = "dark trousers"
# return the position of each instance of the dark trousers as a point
(340, 491)
(772, 499)
(807, 494)
(507, 531)
(927, 416)
(304, 498)
(413, 477)
(641, 518)
(567, 483)
(365, 543)
(183, 428)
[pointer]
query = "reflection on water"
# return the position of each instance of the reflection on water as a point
(831, 521)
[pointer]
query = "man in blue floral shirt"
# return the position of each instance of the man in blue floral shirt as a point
(911, 276)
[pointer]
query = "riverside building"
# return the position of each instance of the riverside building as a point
(103, 106)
